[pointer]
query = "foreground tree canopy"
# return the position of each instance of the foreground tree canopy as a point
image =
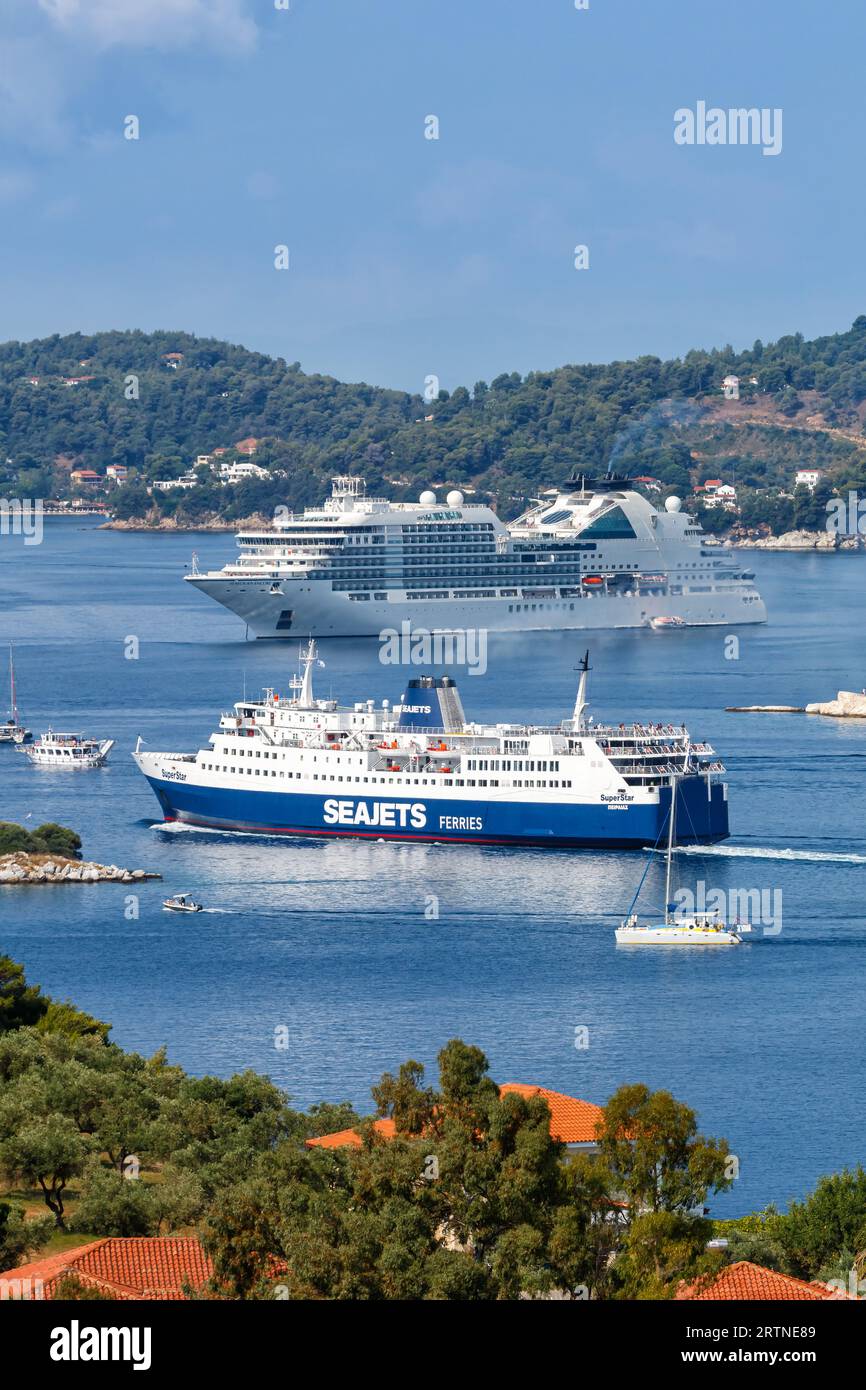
(472, 1198)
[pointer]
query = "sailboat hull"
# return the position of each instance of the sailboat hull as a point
(675, 934)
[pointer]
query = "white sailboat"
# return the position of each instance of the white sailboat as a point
(699, 929)
(12, 730)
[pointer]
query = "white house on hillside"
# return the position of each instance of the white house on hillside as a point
(808, 477)
(239, 472)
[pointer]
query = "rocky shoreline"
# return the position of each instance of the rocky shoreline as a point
(48, 868)
(797, 540)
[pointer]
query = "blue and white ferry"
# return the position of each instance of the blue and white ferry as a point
(419, 770)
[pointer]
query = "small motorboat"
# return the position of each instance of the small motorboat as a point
(181, 902)
(662, 624)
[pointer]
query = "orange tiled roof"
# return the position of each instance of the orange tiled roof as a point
(746, 1280)
(350, 1138)
(130, 1268)
(573, 1121)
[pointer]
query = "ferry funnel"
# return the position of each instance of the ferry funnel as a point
(432, 703)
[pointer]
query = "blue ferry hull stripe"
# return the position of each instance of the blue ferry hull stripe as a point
(702, 818)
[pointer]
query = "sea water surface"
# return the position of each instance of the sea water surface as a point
(335, 940)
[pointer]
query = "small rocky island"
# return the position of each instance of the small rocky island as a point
(43, 868)
(848, 704)
(51, 854)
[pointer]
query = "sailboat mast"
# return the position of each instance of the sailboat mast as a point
(671, 819)
(13, 710)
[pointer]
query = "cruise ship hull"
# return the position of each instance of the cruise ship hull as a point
(296, 609)
(702, 815)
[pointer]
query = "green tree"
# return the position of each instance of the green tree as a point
(663, 1170)
(20, 1237)
(462, 1203)
(48, 1152)
(63, 1017)
(56, 839)
(110, 1205)
(13, 838)
(830, 1220)
(660, 1250)
(655, 1154)
(20, 1004)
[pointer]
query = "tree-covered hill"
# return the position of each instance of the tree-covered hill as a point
(802, 403)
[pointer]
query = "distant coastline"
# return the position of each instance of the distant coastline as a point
(171, 525)
(811, 542)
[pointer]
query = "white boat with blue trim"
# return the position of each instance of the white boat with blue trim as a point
(421, 771)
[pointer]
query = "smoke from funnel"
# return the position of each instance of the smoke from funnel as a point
(662, 416)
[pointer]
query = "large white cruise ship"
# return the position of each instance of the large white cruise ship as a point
(595, 555)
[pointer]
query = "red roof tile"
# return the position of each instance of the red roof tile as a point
(135, 1267)
(744, 1280)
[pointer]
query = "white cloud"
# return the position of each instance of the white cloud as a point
(155, 23)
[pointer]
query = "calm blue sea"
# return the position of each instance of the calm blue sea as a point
(330, 939)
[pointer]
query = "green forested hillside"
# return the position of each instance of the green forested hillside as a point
(507, 438)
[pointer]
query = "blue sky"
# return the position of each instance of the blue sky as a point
(410, 256)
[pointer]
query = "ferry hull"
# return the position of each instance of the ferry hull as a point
(702, 816)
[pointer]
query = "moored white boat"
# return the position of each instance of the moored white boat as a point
(68, 750)
(660, 624)
(12, 730)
